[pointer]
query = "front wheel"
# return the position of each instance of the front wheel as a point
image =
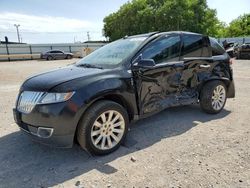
(103, 128)
(213, 97)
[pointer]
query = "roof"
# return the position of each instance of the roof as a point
(162, 33)
(142, 35)
(180, 32)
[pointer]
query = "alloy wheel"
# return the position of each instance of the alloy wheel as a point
(108, 130)
(219, 97)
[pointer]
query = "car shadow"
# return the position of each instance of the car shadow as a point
(24, 163)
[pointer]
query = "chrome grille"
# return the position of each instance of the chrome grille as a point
(27, 101)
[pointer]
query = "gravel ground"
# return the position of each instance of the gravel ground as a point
(179, 147)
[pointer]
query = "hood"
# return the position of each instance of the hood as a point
(48, 80)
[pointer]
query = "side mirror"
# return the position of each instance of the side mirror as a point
(145, 63)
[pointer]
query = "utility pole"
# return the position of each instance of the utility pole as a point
(88, 36)
(17, 30)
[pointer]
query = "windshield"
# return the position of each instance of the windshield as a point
(112, 54)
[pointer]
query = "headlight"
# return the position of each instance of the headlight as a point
(55, 97)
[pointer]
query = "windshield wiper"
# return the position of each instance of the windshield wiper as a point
(89, 66)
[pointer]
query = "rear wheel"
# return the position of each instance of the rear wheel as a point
(68, 57)
(213, 97)
(103, 128)
(49, 58)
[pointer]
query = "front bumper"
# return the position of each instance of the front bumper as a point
(59, 120)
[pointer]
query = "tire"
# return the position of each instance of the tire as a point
(68, 57)
(96, 125)
(49, 58)
(213, 97)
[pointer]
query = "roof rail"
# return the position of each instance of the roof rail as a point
(142, 35)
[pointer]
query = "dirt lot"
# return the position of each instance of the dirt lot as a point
(180, 147)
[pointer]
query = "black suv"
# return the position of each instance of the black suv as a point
(95, 99)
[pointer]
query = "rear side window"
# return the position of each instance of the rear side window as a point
(163, 50)
(55, 51)
(217, 49)
(192, 45)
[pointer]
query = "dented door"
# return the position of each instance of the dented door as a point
(157, 87)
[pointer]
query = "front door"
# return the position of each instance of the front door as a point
(158, 86)
(59, 55)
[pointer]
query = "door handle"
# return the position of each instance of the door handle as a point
(205, 66)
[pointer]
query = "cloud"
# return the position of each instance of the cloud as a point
(48, 29)
(31, 23)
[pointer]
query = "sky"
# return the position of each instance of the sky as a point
(64, 21)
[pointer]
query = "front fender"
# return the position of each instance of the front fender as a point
(89, 91)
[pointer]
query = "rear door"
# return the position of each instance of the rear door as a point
(158, 85)
(198, 62)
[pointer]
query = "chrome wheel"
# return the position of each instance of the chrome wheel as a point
(219, 97)
(108, 130)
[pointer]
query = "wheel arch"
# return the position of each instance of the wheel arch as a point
(111, 97)
(120, 100)
(225, 80)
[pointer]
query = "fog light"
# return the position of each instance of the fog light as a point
(44, 132)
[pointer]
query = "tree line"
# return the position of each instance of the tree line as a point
(143, 16)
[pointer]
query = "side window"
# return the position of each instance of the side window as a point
(206, 50)
(217, 49)
(58, 52)
(192, 45)
(164, 50)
